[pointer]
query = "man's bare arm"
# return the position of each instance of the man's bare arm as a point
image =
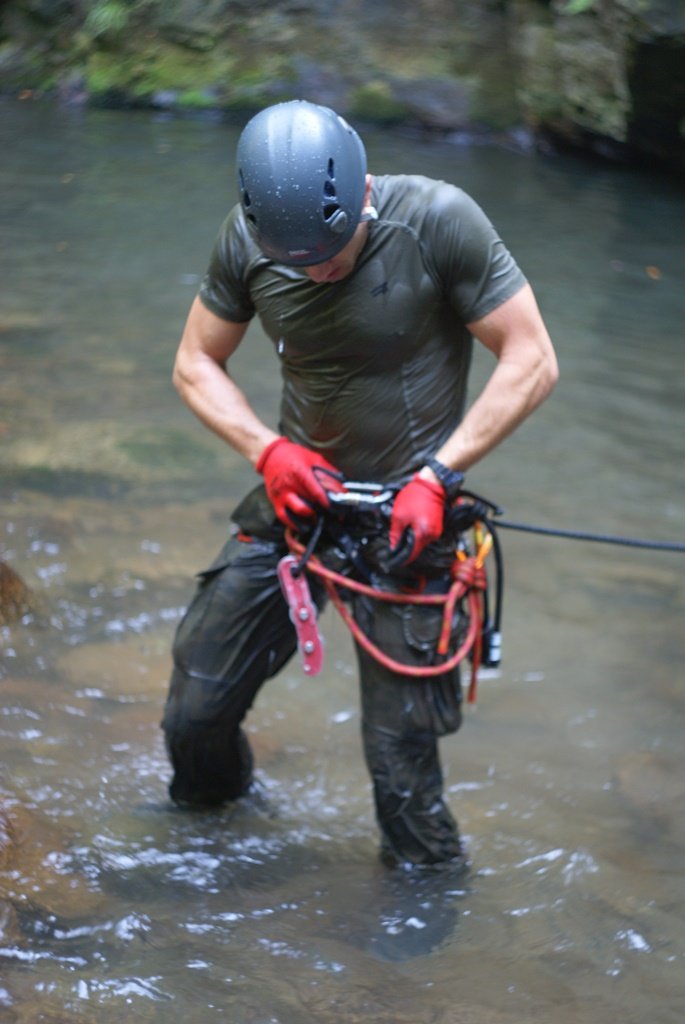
(525, 374)
(203, 382)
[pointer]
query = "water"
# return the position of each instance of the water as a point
(568, 777)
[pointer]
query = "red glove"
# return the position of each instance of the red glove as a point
(291, 484)
(417, 517)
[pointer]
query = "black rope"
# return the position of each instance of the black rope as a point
(599, 538)
(309, 549)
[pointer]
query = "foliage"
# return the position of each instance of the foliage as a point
(578, 6)
(106, 18)
(196, 99)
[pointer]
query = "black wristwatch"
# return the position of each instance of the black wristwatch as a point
(451, 479)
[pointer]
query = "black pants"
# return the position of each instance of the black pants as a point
(237, 633)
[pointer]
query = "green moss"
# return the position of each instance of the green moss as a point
(196, 99)
(103, 73)
(374, 101)
(577, 6)
(201, 80)
(107, 18)
(159, 66)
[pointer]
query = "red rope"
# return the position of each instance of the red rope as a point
(469, 580)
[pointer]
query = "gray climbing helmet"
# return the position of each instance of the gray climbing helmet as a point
(301, 177)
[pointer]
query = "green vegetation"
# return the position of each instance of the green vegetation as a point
(196, 99)
(374, 101)
(196, 80)
(153, 68)
(107, 18)
(567, 65)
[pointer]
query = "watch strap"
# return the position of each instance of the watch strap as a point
(451, 479)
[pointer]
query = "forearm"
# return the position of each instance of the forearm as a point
(524, 376)
(214, 397)
(511, 394)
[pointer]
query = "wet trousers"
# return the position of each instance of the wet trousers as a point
(237, 633)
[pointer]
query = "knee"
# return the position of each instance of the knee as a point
(191, 704)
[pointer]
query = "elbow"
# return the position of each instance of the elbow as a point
(546, 373)
(550, 376)
(176, 378)
(541, 379)
(180, 379)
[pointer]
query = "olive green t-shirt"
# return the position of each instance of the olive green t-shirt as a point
(374, 366)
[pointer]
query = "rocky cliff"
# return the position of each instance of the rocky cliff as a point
(603, 74)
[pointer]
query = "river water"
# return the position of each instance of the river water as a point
(568, 777)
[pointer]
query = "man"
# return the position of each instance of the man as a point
(371, 290)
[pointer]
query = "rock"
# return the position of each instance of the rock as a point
(15, 596)
(38, 849)
(71, 90)
(165, 99)
(437, 104)
(605, 75)
(6, 838)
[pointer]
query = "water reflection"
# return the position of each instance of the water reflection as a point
(566, 779)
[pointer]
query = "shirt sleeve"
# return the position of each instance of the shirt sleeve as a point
(472, 263)
(224, 290)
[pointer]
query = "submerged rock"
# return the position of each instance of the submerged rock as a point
(15, 597)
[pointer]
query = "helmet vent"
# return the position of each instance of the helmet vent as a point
(332, 207)
(246, 195)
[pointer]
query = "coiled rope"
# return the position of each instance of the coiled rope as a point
(469, 582)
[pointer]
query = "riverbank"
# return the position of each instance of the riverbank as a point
(601, 75)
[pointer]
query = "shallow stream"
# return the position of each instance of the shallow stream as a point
(568, 778)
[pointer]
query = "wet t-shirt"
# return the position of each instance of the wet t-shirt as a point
(374, 366)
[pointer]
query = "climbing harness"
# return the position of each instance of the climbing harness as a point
(467, 592)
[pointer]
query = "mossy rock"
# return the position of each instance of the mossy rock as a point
(196, 99)
(376, 102)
